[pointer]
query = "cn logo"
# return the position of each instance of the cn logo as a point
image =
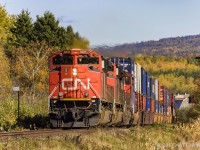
(76, 82)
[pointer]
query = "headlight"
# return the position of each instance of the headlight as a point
(74, 71)
(86, 94)
(60, 94)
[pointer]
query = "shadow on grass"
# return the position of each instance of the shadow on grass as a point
(38, 121)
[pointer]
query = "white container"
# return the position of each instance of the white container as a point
(156, 89)
(135, 78)
(138, 78)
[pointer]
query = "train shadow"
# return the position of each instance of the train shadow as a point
(35, 122)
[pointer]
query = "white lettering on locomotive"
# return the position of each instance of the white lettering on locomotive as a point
(75, 85)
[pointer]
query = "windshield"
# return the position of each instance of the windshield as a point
(127, 80)
(88, 60)
(63, 60)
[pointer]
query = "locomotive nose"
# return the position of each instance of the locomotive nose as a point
(74, 82)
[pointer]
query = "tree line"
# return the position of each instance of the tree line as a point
(178, 74)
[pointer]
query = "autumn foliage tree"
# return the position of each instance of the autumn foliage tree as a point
(6, 22)
(5, 82)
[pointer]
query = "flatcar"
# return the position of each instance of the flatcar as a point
(87, 89)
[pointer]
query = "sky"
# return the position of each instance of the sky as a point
(110, 22)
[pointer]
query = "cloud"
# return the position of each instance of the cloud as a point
(64, 19)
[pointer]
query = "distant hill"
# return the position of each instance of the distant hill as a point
(176, 46)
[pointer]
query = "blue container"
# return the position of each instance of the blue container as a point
(167, 96)
(156, 108)
(152, 88)
(165, 109)
(160, 109)
(127, 64)
(148, 85)
(144, 81)
(148, 104)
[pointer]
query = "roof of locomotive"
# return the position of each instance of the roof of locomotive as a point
(76, 52)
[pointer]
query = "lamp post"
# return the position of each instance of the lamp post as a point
(16, 89)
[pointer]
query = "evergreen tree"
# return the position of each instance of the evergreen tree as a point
(62, 37)
(70, 35)
(46, 29)
(23, 30)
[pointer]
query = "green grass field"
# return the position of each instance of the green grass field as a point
(135, 138)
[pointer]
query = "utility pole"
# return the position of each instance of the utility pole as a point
(16, 89)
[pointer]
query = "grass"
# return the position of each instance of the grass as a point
(135, 138)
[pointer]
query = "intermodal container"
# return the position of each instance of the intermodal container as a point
(152, 87)
(141, 102)
(152, 109)
(148, 104)
(156, 89)
(148, 85)
(157, 107)
(167, 96)
(135, 78)
(162, 94)
(127, 64)
(138, 79)
(161, 108)
(137, 100)
(165, 109)
(144, 81)
(169, 112)
(144, 102)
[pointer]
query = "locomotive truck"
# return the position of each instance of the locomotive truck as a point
(87, 89)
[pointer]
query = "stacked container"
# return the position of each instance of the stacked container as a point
(162, 94)
(157, 107)
(156, 89)
(152, 88)
(167, 96)
(148, 94)
(144, 81)
(148, 104)
(138, 78)
(137, 100)
(148, 85)
(152, 105)
(160, 108)
(126, 64)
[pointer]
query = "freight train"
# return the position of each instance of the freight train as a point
(87, 89)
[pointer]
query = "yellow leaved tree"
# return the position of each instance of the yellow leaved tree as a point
(5, 83)
(6, 22)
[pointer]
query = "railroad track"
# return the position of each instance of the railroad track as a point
(37, 133)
